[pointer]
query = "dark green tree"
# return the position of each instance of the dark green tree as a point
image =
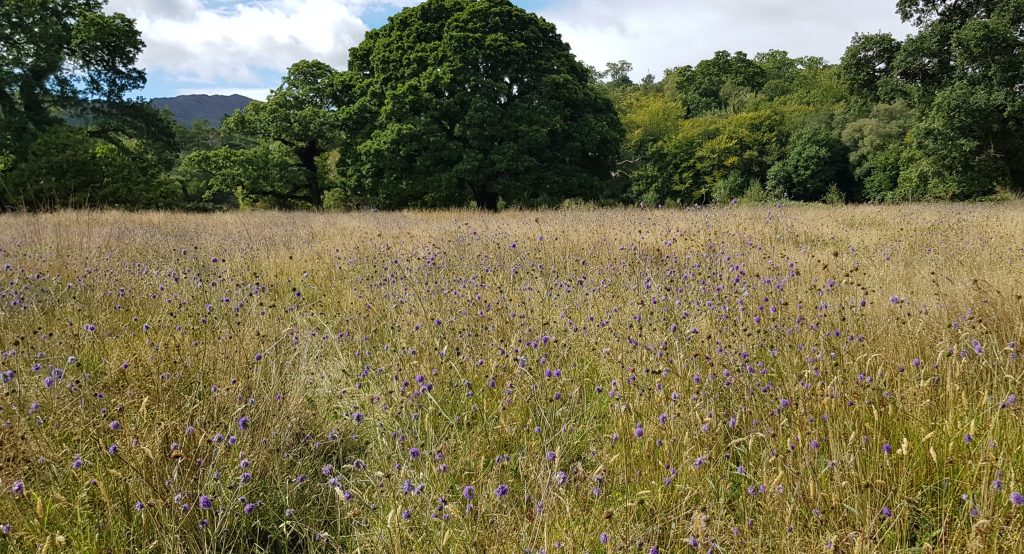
(701, 87)
(965, 66)
(61, 58)
(867, 67)
(66, 63)
(305, 115)
(476, 101)
(813, 161)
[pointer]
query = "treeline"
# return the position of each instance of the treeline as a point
(937, 116)
(460, 103)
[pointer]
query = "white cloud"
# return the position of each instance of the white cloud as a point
(239, 42)
(659, 34)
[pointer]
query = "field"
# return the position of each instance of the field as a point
(767, 379)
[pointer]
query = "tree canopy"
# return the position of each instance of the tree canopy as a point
(65, 71)
(455, 103)
(463, 100)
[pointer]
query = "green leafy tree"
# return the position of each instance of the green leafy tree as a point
(62, 63)
(264, 175)
(867, 66)
(61, 56)
(813, 161)
(616, 75)
(67, 167)
(476, 101)
(877, 144)
(701, 87)
(965, 67)
(305, 115)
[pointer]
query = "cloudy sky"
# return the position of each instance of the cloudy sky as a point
(244, 46)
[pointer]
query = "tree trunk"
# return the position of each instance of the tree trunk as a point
(486, 200)
(307, 157)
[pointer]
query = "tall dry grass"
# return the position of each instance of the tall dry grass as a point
(787, 379)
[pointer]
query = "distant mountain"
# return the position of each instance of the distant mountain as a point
(190, 108)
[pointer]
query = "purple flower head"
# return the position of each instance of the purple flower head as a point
(18, 488)
(139, 505)
(468, 492)
(115, 425)
(550, 456)
(205, 502)
(1017, 498)
(886, 512)
(414, 453)
(249, 508)
(112, 449)
(887, 449)
(243, 423)
(603, 537)
(501, 491)
(638, 431)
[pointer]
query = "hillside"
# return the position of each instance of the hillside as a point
(190, 108)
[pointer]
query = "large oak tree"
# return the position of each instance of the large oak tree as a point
(476, 101)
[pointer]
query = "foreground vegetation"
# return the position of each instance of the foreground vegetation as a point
(748, 378)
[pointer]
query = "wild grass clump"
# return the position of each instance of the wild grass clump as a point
(788, 378)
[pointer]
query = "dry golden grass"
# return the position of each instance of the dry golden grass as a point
(773, 379)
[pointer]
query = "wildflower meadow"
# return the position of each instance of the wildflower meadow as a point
(733, 379)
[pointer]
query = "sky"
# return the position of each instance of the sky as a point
(245, 46)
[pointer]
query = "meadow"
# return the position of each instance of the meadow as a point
(733, 379)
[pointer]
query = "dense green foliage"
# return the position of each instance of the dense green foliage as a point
(459, 102)
(68, 135)
(480, 101)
